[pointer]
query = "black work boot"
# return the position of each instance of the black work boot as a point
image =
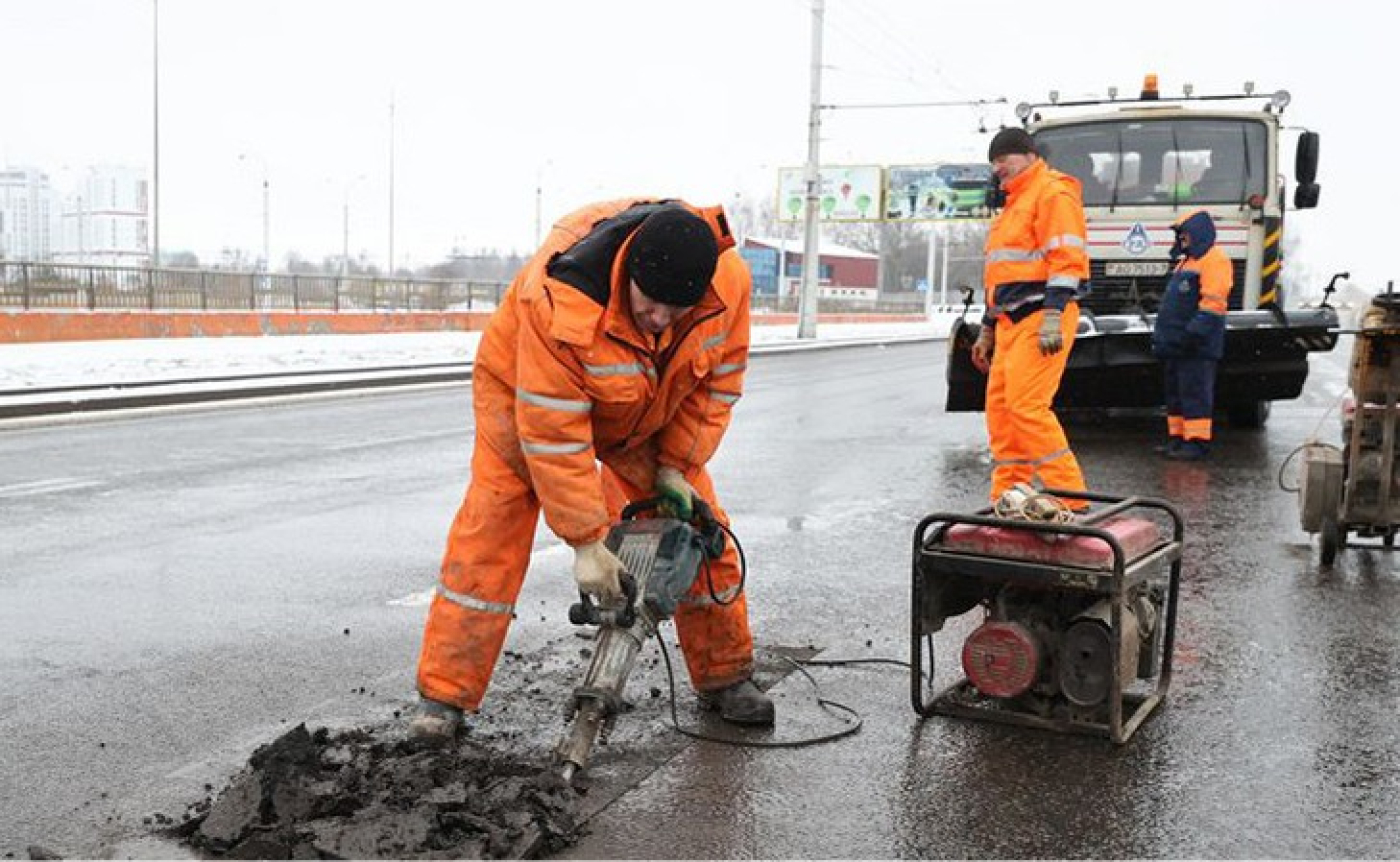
(1191, 450)
(741, 703)
(435, 723)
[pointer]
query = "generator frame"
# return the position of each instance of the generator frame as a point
(1376, 385)
(933, 560)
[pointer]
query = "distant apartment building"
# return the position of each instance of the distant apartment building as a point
(105, 219)
(26, 214)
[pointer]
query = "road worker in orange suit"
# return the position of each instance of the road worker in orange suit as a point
(1036, 265)
(623, 342)
(1189, 334)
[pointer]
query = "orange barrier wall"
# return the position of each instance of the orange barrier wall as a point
(30, 326)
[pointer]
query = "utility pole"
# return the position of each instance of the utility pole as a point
(928, 269)
(807, 299)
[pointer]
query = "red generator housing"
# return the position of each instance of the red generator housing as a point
(1079, 618)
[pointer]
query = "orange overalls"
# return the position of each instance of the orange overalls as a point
(1036, 258)
(563, 380)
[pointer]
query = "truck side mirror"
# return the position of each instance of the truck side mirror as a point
(1305, 196)
(1305, 166)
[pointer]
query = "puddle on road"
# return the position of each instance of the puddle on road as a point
(347, 795)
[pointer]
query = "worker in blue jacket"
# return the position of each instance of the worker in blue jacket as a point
(1189, 334)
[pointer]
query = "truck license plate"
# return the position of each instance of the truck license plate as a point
(1130, 268)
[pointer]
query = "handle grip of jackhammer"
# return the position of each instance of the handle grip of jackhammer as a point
(586, 612)
(702, 519)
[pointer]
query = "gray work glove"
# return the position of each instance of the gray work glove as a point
(598, 572)
(983, 347)
(677, 497)
(1051, 340)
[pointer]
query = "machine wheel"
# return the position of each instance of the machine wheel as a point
(1248, 414)
(1329, 540)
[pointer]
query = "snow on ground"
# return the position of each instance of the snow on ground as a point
(74, 363)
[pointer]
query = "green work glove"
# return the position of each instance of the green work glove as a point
(677, 497)
(1051, 340)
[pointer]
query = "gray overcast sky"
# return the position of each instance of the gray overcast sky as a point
(614, 97)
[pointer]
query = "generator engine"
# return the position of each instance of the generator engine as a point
(1051, 651)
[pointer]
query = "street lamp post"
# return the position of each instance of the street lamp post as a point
(155, 133)
(345, 226)
(266, 195)
(391, 185)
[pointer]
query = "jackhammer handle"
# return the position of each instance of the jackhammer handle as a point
(637, 507)
(586, 612)
(703, 515)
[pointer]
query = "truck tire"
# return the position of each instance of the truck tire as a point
(1248, 413)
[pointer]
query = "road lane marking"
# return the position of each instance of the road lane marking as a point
(392, 441)
(47, 486)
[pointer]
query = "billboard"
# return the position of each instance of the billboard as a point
(942, 192)
(849, 193)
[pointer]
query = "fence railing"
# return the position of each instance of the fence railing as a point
(35, 285)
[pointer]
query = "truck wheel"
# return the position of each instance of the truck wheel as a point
(1248, 414)
(1329, 540)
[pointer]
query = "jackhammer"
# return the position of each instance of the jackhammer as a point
(661, 558)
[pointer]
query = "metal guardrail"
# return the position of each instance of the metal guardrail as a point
(37, 285)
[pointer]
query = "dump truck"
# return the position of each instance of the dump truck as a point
(1144, 162)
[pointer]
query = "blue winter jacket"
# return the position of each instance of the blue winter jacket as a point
(1191, 320)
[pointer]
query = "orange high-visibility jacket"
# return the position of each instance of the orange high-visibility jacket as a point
(574, 380)
(1036, 253)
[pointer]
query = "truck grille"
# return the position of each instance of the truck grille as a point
(1130, 295)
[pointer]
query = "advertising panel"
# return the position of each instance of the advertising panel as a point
(846, 193)
(942, 192)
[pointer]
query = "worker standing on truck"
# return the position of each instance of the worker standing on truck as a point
(1037, 262)
(623, 341)
(1189, 334)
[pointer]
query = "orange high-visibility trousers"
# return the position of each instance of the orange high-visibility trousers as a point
(1026, 438)
(483, 569)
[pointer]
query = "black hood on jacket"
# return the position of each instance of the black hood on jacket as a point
(588, 263)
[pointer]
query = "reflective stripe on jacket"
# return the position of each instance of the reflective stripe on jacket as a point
(576, 381)
(1036, 253)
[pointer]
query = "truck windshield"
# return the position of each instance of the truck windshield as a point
(1167, 162)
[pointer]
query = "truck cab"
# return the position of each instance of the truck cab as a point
(1143, 164)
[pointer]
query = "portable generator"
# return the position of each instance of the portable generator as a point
(1079, 615)
(661, 559)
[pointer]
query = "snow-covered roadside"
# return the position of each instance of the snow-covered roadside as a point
(77, 363)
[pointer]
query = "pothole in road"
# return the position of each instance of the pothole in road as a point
(346, 795)
(368, 792)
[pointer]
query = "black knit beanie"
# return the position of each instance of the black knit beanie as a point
(1008, 141)
(673, 256)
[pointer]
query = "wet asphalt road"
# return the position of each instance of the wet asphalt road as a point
(176, 589)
